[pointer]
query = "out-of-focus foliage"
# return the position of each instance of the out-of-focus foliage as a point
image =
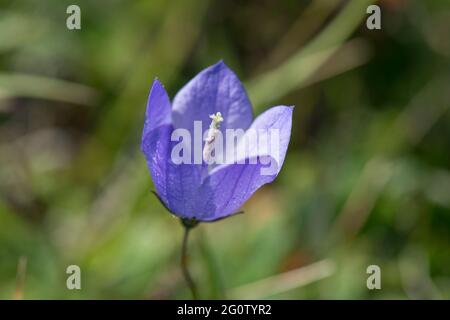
(366, 180)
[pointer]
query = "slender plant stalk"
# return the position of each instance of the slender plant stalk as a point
(184, 267)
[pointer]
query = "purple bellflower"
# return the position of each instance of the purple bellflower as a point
(199, 192)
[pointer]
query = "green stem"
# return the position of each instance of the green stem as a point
(184, 268)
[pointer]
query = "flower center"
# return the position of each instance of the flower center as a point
(213, 131)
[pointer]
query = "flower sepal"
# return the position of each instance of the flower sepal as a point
(189, 223)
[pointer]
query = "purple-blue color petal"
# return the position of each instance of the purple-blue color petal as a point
(215, 89)
(176, 185)
(229, 186)
(156, 137)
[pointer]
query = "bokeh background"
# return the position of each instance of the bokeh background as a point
(366, 180)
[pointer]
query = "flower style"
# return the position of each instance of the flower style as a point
(201, 191)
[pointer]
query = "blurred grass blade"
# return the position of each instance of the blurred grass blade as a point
(350, 55)
(408, 130)
(295, 71)
(285, 281)
(14, 85)
(306, 25)
(20, 278)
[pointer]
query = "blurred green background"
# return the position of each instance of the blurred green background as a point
(366, 180)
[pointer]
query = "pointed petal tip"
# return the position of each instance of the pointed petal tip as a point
(281, 108)
(158, 105)
(156, 83)
(292, 108)
(219, 65)
(289, 109)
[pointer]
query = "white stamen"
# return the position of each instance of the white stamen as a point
(211, 136)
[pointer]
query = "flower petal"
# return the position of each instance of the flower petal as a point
(273, 130)
(224, 192)
(215, 89)
(159, 111)
(229, 186)
(156, 136)
(176, 185)
(182, 184)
